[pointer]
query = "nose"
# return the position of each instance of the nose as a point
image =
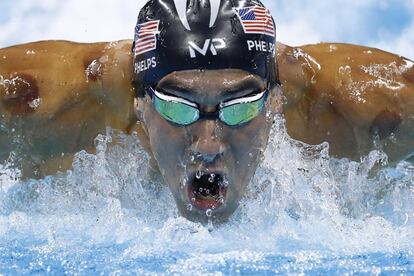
(207, 146)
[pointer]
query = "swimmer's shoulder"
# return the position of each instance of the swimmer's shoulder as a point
(362, 82)
(356, 80)
(327, 63)
(63, 73)
(347, 95)
(59, 95)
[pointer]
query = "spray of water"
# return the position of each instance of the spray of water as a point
(301, 205)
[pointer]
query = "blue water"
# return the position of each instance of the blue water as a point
(22, 259)
(304, 212)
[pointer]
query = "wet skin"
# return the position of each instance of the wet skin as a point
(57, 96)
(208, 146)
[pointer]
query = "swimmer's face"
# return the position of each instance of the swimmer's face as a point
(208, 164)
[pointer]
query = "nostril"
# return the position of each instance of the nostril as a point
(208, 156)
(207, 150)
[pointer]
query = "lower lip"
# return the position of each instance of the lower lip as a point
(207, 203)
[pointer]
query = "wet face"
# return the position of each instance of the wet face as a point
(208, 164)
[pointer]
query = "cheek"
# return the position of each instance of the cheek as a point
(249, 141)
(167, 142)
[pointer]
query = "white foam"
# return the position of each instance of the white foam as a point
(300, 200)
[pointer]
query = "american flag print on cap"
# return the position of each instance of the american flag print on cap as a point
(256, 20)
(146, 37)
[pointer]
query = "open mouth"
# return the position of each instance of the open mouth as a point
(207, 190)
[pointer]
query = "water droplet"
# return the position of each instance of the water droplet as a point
(209, 213)
(210, 225)
(35, 103)
(199, 174)
(189, 207)
(193, 199)
(184, 182)
(225, 183)
(211, 179)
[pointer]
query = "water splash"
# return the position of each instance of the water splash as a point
(303, 209)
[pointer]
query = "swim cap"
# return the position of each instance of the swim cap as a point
(176, 35)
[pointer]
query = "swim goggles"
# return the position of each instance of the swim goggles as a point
(234, 112)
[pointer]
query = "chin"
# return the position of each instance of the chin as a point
(218, 216)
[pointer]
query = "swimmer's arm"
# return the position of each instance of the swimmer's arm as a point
(351, 96)
(56, 96)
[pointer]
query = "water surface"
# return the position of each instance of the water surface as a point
(304, 212)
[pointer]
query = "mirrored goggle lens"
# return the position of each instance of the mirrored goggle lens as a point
(241, 113)
(176, 112)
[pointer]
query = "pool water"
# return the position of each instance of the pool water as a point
(304, 212)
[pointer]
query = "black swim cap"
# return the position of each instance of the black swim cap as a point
(176, 35)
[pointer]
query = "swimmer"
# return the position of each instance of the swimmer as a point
(200, 88)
